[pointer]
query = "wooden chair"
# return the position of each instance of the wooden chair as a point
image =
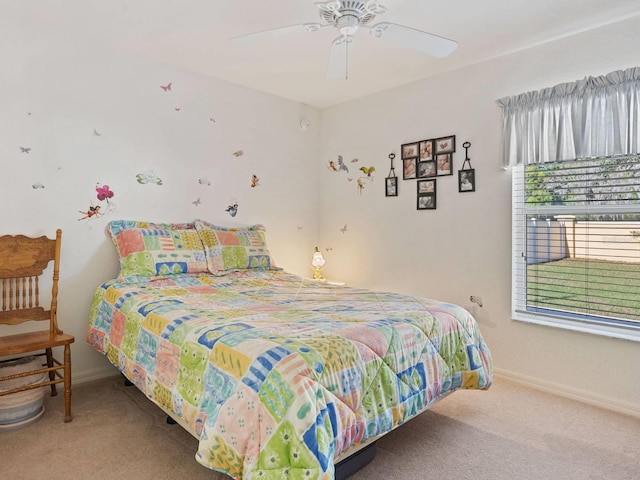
(23, 261)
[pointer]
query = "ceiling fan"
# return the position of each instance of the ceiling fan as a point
(350, 16)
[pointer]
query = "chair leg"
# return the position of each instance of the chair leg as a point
(67, 383)
(52, 374)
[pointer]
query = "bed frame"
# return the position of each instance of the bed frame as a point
(346, 464)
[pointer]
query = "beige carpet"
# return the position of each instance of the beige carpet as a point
(507, 432)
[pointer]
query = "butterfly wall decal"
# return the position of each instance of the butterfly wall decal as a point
(148, 177)
(255, 181)
(204, 181)
(232, 209)
(344, 229)
(197, 202)
(341, 165)
(25, 149)
(368, 171)
(238, 153)
(167, 87)
(338, 165)
(96, 133)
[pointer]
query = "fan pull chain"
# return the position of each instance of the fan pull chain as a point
(347, 39)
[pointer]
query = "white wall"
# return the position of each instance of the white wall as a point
(56, 90)
(463, 248)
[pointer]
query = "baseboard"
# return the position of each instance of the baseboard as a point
(620, 406)
(583, 396)
(95, 374)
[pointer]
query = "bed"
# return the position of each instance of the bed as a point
(276, 375)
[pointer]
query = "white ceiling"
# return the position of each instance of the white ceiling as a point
(194, 34)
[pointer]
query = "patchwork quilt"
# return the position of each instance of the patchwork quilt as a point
(278, 375)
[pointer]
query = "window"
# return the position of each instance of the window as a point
(576, 244)
(575, 153)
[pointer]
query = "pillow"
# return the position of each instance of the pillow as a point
(116, 226)
(151, 249)
(239, 248)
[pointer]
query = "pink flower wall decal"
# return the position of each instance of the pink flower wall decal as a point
(104, 192)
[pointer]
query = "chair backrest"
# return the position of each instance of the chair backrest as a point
(23, 261)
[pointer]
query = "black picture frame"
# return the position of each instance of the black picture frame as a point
(444, 164)
(426, 199)
(391, 187)
(409, 168)
(410, 150)
(467, 180)
(426, 150)
(444, 144)
(427, 169)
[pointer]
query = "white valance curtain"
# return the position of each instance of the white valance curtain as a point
(593, 117)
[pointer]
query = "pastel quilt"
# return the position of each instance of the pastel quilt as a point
(278, 375)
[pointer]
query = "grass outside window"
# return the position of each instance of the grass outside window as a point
(585, 286)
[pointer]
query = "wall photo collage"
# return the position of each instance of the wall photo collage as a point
(425, 160)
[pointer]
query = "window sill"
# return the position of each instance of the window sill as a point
(612, 331)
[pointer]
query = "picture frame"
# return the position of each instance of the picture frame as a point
(426, 150)
(444, 164)
(427, 169)
(409, 168)
(467, 180)
(426, 199)
(445, 144)
(391, 187)
(410, 150)
(426, 186)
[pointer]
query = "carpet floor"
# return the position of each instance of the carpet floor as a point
(508, 432)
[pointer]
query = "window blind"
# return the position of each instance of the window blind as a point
(576, 240)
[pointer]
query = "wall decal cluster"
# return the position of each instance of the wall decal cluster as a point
(104, 194)
(339, 165)
(169, 96)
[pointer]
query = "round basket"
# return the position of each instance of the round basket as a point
(21, 406)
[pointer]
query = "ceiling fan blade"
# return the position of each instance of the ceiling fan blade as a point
(278, 32)
(338, 66)
(415, 39)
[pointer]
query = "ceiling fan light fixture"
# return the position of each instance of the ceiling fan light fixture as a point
(348, 24)
(348, 8)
